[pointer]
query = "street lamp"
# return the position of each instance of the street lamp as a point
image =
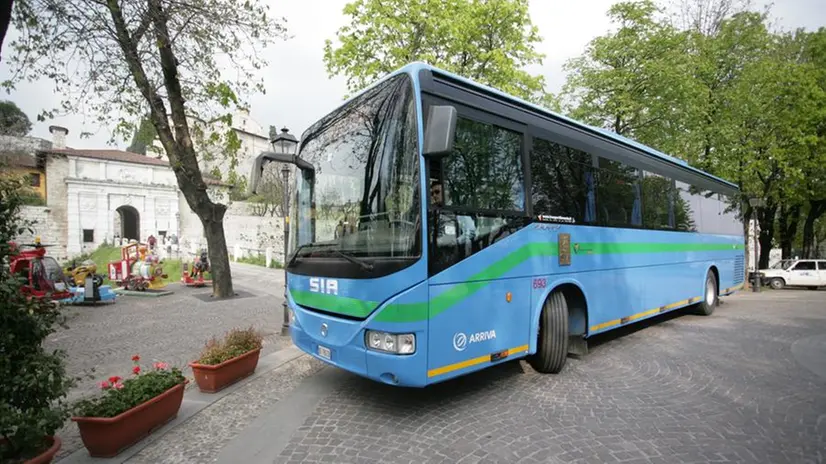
(285, 144)
(756, 203)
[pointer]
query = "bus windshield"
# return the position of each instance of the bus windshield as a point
(362, 199)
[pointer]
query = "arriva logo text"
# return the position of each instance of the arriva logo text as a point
(328, 286)
(461, 341)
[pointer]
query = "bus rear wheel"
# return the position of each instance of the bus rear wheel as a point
(552, 343)
(710, 294)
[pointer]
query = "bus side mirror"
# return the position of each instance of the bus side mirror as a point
(268, 157)
(440, 130)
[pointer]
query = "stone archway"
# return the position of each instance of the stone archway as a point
(130, 222)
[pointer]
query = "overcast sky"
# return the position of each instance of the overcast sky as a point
(299, 90)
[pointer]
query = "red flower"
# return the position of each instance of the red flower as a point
(114, 379)
(103, 385)
(118, 386)
(136, 370)
(136, 358)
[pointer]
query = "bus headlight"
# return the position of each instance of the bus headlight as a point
(390, 343)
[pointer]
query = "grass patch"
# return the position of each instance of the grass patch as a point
(259, 260)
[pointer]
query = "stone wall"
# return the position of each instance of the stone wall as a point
(252, 233)
(23, 145)
(57, 168)
(44, 225)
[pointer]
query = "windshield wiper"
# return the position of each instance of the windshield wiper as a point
(306, 245)
(364, 264)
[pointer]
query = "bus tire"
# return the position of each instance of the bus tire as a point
(552, 342)
(711, 296)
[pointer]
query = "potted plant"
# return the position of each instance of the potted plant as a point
(33, 381)
(129, 410)
(227, 361)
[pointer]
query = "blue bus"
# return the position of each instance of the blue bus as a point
(439, 227)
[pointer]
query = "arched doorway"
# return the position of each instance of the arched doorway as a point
(130, 222)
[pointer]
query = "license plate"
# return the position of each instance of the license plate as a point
(323, 352)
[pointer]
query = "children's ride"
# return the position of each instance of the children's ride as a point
(79, 274)
(137, 270)
(40, 275)
(194, 277)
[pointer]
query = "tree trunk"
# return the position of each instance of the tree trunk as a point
(218, 258)
(766, 217)
(787, 224)
(5, 19)
(816, 209)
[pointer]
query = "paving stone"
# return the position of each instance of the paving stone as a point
(681, 388)
(100, 340)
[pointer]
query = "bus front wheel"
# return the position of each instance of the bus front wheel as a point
(552, 343)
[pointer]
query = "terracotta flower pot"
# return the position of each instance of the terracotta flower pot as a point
(213, 378)
(105, 437)
(46, 456)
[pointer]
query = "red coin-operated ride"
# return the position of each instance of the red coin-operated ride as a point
(41, 275)
(194, 277)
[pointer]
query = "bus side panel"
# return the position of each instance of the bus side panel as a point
(490, 320)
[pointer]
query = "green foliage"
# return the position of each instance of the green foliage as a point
(235, 343)
(33, 382)
(13, 121)
(121, 395)
(489, 41)
(726, 93)
(628, 81)
(144, 135)
(216, 44)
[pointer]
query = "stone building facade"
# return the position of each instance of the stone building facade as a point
(100, 196)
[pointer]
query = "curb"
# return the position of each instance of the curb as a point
(194, 402)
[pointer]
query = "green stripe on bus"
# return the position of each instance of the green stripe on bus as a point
(414, 312)
(334, 304)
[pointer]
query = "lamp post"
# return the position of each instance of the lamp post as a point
(756, 203)
(285, 144)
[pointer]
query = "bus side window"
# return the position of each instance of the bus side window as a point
(562, 181)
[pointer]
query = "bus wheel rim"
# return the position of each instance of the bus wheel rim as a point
(710, 292)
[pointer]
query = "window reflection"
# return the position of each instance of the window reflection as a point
(562, 181)
(618, 194)
(484, 171)
(363, 196)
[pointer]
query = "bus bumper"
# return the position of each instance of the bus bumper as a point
(341, 344)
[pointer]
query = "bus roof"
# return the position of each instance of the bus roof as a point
(414, 68)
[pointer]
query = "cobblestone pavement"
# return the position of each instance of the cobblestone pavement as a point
(725, 388)
(101, 339)
(743, 385)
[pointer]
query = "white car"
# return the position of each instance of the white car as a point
(797, 273)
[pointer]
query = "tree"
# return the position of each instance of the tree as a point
(13, 121)
(637, 81)
(182, 63)
(144, 135)
(490, 41)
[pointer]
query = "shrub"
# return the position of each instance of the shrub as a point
(235, 343)
(121, 395)
(33, 382)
